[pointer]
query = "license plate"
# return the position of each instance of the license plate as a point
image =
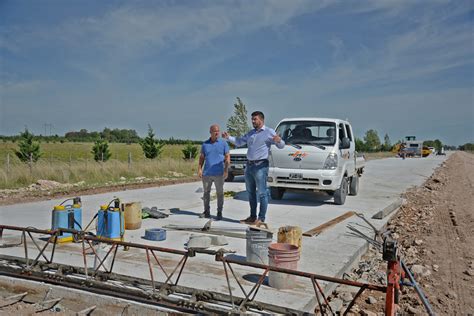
(239, 166)
(296, 176)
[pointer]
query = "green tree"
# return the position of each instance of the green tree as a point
(28, 149)
(372, 140)
(151, 147)
(359, 145)
(237, 125)
(101, 150)
(467, 147)
(190, 151)
(387, 145)
(438, 145)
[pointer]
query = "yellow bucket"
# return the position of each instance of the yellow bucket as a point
(290, 235)
(133, 215)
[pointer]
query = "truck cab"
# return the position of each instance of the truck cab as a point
(319, 155)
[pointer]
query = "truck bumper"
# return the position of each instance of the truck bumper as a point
(237, 170)
(304, 179)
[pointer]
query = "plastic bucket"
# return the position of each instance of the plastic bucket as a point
(285, 256)
(257, 245)
(133, 215)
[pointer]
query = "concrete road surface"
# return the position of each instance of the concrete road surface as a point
(331, 253)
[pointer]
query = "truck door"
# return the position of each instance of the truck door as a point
(352, 157)
(345, 153)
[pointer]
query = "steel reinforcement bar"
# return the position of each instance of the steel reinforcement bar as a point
(167, 293)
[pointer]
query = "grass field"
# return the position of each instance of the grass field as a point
(73, 163)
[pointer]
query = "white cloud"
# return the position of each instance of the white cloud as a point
(134, 29)
(338, 47)
(16, 88)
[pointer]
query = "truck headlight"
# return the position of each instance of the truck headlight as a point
(331, 162)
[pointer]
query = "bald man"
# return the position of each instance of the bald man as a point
(213, 167)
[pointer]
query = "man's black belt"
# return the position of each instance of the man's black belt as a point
(256, 162)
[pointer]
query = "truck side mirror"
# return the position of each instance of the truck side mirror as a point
(345, 143)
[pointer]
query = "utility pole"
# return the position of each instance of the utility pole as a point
(46, 127)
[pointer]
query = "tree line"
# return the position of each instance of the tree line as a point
(29, 149)
(116, 135)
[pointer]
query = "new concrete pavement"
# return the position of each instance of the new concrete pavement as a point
(331, 253)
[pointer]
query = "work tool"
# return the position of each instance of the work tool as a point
(229, 231)
(154, 212)
(396, 270)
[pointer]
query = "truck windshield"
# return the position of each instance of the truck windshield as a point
(307, 132)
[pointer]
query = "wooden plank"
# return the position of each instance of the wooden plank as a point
(12, 299)
(319, 229)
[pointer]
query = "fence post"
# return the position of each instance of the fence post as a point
(30, 163)
(8, 167)
(70, 160)
(129, 160)
(102, 155)
(8, 164)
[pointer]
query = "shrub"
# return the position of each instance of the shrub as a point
(27, 148)
(150, 146)
(101, 150)
(190, 151)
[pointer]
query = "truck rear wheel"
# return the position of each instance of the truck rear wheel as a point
(277, 193)
(354, 186)
(341, 193)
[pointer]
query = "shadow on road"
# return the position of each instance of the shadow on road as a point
(178, 211)
(294, 198)
(254, 278)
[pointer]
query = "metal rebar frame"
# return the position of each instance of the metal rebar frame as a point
(161, 292)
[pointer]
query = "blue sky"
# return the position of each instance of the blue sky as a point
(399, 67)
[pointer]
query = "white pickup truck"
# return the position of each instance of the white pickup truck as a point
(238, 161)
(319, 156)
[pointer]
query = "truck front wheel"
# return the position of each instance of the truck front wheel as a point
(277, 193)
(341, 193)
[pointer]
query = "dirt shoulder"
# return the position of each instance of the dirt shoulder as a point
(24, 196)
(434, 229)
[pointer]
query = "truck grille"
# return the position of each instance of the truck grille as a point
(287, 180)
(238, 159)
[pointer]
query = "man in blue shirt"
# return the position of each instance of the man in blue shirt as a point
(215, 158)
(258, 142)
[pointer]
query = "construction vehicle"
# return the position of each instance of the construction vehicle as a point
(411, 148)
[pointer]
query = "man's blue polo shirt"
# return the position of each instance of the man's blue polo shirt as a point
(214, 154)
